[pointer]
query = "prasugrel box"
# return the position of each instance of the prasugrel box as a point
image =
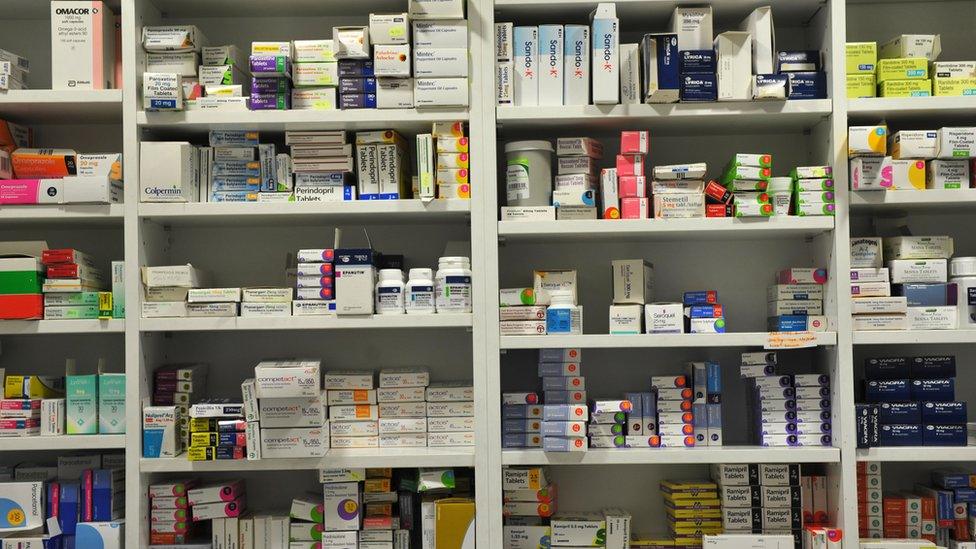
(605, 54)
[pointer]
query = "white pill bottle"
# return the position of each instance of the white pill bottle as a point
(962, 271)
(453, 285)
(389, 292)
(420, 292)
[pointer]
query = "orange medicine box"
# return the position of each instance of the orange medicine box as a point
(43, 163)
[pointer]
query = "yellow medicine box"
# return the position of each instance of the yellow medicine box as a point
(905, 68)
(454, 523)
(861, 85)
(905, 88)
(862, 57)
(954, 87)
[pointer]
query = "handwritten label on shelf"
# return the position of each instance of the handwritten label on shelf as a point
(790, 340)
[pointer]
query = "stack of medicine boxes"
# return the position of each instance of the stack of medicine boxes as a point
(872, 305)
(21, 281)
(288, 392)
(73, 277)
(450, 402)
(316, 283)
(522, 412)
(357, 83)
(528, 501)
(321, 164)
(677, 191)
(217, 431)
(564, 410)
(607, 416)
(706, 382)
(13, 71)
(870, 515)
(762, 499)
(746, 181)
(792, 410)
(213, 302)
(795, 302)
(703, 313)
(518, 313)
(172, 60)
(696, 53)
(217, 501)
(382, 158)
(915, 400)
(452, 173)
(179, 386)
(862, 60)
(24, 399)
(165, 289)
(674, 421)
(403, 385)
(390, 36)
(353, 412)
(168, 500)
(271, 71)
(919, 272)
(813, 192)
(574, 192)
(903, 65)
(633, 286)
(906, 515)
(685, 503)
(222, 72)
(315, 75)
(631, 169)
(241, 167)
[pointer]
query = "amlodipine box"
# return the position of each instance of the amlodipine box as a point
(287, 378)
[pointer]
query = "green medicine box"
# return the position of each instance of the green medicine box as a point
(81, 404)
(862, 57)
(111, 403)
(905, 68)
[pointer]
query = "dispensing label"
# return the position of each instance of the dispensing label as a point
(517, 179)
(790, 340)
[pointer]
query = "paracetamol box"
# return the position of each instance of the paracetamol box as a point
(82, 46)
(526, 66)
(605, 55)
(287, 378)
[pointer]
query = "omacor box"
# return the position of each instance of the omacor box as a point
(82, 46)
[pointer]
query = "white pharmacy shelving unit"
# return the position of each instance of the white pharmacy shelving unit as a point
(88, 122)
(928, 212)
(249, 244)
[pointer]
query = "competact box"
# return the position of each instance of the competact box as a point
(294, 442)
(287, 378)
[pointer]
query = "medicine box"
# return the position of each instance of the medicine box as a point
(82, 46)
(288, 378)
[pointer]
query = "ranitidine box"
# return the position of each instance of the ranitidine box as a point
(82, 46)
(606, 54)
(287, 379)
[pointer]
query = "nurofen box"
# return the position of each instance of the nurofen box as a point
(287, 378)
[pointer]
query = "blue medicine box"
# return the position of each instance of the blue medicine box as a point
(901, 435)
(932, 390)
(927, 295)
(697, 61)
(699, 87)
(929, 367)
(806, 85)
(943, 412)
(899, 412)
(894, 367)
(888, 390)
(948, 435)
